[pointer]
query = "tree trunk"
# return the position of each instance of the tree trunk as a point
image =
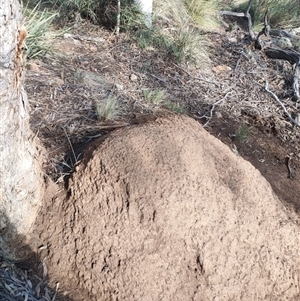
(21, 178)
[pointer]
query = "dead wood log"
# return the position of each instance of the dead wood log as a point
(265, 31)
(291, 56)
(246, 15)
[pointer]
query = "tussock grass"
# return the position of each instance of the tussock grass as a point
(156, 96)
(37, 23)
(283, 13)
(243, 133)
(108, 109)
(173, 33)
(203, 13)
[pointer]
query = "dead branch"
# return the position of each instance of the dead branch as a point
(281, 104)
(246, 14)
(212, 109)
(291, 56)
(265, 31)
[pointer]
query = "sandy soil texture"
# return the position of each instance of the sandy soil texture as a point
(165, 211)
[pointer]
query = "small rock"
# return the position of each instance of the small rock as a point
(283, 43)
(232, 39)
(133, 77)
(119, 87)
(93, 48)
(219, 115)
(221, 69)
(33, 67)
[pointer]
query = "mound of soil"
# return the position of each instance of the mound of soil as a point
(165, 211)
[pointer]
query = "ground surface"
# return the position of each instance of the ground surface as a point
(88, 65)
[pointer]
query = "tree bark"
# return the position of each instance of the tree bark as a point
(21, 177)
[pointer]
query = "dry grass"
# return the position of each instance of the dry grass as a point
(108, 108)
(203, 13)
(185, 42)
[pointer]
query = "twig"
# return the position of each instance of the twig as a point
(213, 108)
(281, 104)
(230, 13)
(71, 146)
(158, 78)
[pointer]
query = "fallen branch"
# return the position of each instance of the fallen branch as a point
(265, 31)
(281, 104)
(293, 57)
(289, 55)
(212, 109)
(246, 14)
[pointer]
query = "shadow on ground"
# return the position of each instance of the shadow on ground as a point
(23, 273)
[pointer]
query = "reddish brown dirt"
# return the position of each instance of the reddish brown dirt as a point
(164, 211)
(268, 153)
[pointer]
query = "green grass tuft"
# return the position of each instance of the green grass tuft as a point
(37, 23)
(243, 132)
(108, 109)
(156, 96)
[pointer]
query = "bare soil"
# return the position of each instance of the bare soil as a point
(165, 211)
(90, 64)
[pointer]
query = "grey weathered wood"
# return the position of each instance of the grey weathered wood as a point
(291, 56)
(246, 14)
